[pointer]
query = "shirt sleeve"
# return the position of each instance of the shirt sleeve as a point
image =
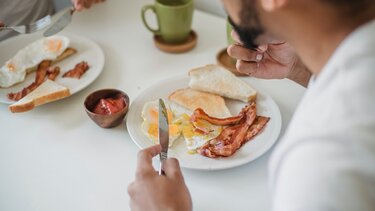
(324, 176)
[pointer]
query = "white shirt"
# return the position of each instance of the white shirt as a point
(326, 159)
(17, 12)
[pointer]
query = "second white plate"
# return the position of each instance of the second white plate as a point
(87, 50)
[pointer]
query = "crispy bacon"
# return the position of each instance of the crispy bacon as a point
(19, 95)
(200, 114)
(256, 127)
(44, 71)
(77, 71)
(52, 73)
(234, 136)
(40, 76)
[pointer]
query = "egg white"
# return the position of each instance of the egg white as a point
(195, 139)
(15, 69)
(150, 122)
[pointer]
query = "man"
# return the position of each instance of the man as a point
(326, 159)
(19, 12)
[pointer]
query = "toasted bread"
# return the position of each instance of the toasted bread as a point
(216, 79)
(47, 92)
(191, 99)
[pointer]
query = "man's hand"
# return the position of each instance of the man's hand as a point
(81, 4)
(271, 61)
(151, 191)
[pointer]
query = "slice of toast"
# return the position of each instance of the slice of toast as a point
(191, 99)
(48, 91)
(216, 79)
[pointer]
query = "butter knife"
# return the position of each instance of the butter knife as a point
(163, 134)
(61, 23)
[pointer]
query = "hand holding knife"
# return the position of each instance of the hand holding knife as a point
(163, 134)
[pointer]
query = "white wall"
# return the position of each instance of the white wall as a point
(212, 6)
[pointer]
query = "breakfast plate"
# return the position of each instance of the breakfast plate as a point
(87, 50)
(248, 152)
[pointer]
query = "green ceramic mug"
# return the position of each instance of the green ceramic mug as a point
(174, 19)
(229, 31)
(230, 40)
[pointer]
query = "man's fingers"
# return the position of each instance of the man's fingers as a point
(144, 164)
(172, 168)
(241, 53)
(78, 4)
(249, 68)
(87, 3)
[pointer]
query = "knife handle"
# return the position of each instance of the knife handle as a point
(163, 156)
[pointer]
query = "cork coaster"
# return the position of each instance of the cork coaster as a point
(176, 48)
(227, 62)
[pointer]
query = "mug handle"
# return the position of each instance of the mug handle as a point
(144, 9)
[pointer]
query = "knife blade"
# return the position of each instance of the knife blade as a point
(60, 24)
(163, 134)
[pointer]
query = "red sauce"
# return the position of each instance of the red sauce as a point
(110, 105)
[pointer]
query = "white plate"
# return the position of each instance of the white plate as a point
(248, 152)
(87, 50)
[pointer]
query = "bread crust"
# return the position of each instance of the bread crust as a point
(218, 80)
(40, 100)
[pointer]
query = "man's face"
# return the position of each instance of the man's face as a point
(248, 26)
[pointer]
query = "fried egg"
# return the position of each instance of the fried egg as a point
(15, 69)
(150, 122)
(195, 138)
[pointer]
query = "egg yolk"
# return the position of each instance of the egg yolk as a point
(154, 115)
(11, 66)
(153, 130)
(54, 45)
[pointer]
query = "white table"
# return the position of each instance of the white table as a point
(55, 158)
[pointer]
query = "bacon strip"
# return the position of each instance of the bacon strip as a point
(52, 73)
(234, 136)
(257, 126)
(231, 138)
(200, 114)
(40, 76)
(77, 71)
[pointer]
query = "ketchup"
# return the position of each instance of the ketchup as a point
(110, 105)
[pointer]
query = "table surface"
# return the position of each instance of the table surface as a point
(55, 158)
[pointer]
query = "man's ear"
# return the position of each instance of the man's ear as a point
(272, 5)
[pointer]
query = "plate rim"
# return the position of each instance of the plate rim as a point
(264, 149)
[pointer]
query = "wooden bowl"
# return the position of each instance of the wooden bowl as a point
(106, 121)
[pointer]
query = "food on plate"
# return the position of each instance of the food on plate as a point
(235, 135)
(43, 72)
(47, 92)
(27, 59)
(216, 79)
(77, 71)
(191, 99)
(111, 105)
(150, 123)
(197, 133)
